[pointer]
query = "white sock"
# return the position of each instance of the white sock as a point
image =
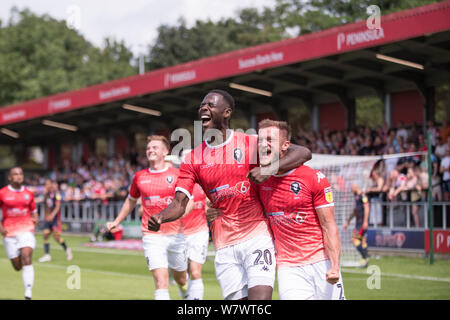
(196, 289)
(28, 279)
(162, 294)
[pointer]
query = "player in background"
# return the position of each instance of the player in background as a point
(19, 218)
(226, 172)
(165, 249)
(300, 207)
(196, 231)
(361, 212)
(52, 220)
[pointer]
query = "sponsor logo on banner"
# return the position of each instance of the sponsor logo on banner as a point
(57, 105)
(354, 38)
(391, 238)
(328, 194)
(260, 60)
(14, 115)
(441, 241)
(114, 92)
(174, 78)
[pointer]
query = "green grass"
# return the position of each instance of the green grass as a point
(119, 274)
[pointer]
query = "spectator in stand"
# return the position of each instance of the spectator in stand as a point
(374, 193)
(434, 132)
(445, 171)
(396, 181)
(439, 151)
(414, 188)
(402, 132)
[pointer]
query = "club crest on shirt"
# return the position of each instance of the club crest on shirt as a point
(328, 194)
(27, 197)
(237, 154)
(295, 187)
(169, 179)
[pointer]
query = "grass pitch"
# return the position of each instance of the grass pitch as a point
(108, 274)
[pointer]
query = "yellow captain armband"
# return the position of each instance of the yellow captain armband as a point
(365, 199)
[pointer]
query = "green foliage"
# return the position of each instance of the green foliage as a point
(315, 15)
(369, 112)
(177, 44)
(442, 103)
(40, 56)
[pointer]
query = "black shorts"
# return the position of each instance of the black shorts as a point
(54, 225)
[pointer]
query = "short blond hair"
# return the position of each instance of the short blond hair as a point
(282, 125)
(163, 139)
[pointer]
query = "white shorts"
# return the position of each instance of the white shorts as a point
(309, 282)
(165, 251)
(197, 246)
(245, 265)
(14, 244)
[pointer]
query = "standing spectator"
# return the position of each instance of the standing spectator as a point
(374, 192)
(445, 171)
(402, 132)
(397, 181)
(434, 132)
(413, 186)
(440, 148)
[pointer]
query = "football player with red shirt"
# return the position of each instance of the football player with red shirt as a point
(225, 166)
(299, 205)
(19, 218)
(166, 248)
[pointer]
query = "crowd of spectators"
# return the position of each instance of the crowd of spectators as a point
(393, 179)
(99, 178)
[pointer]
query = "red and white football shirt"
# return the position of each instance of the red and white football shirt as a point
(156, 189)
(221, 171)
(17, 206)
(290, 202)
(195, 221)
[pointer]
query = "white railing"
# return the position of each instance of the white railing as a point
(399, 214)
(91, 211)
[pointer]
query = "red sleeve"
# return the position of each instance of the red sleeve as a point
(322, 193)
(134, 190)
(186, 180)
(253, 148)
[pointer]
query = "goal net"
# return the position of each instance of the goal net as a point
(342, 171)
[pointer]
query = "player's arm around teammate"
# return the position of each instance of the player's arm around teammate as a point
(294, 157)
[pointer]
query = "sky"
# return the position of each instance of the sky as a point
(134, 21)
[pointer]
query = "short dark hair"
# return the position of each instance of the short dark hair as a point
(282, 125)
(229, 99)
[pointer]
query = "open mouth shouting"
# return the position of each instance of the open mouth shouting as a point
(206, 120)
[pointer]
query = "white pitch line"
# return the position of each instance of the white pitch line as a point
(399, 275)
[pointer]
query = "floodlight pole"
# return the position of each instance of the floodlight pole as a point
(430, 198)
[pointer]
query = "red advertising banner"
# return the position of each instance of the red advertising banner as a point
(441, 241)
